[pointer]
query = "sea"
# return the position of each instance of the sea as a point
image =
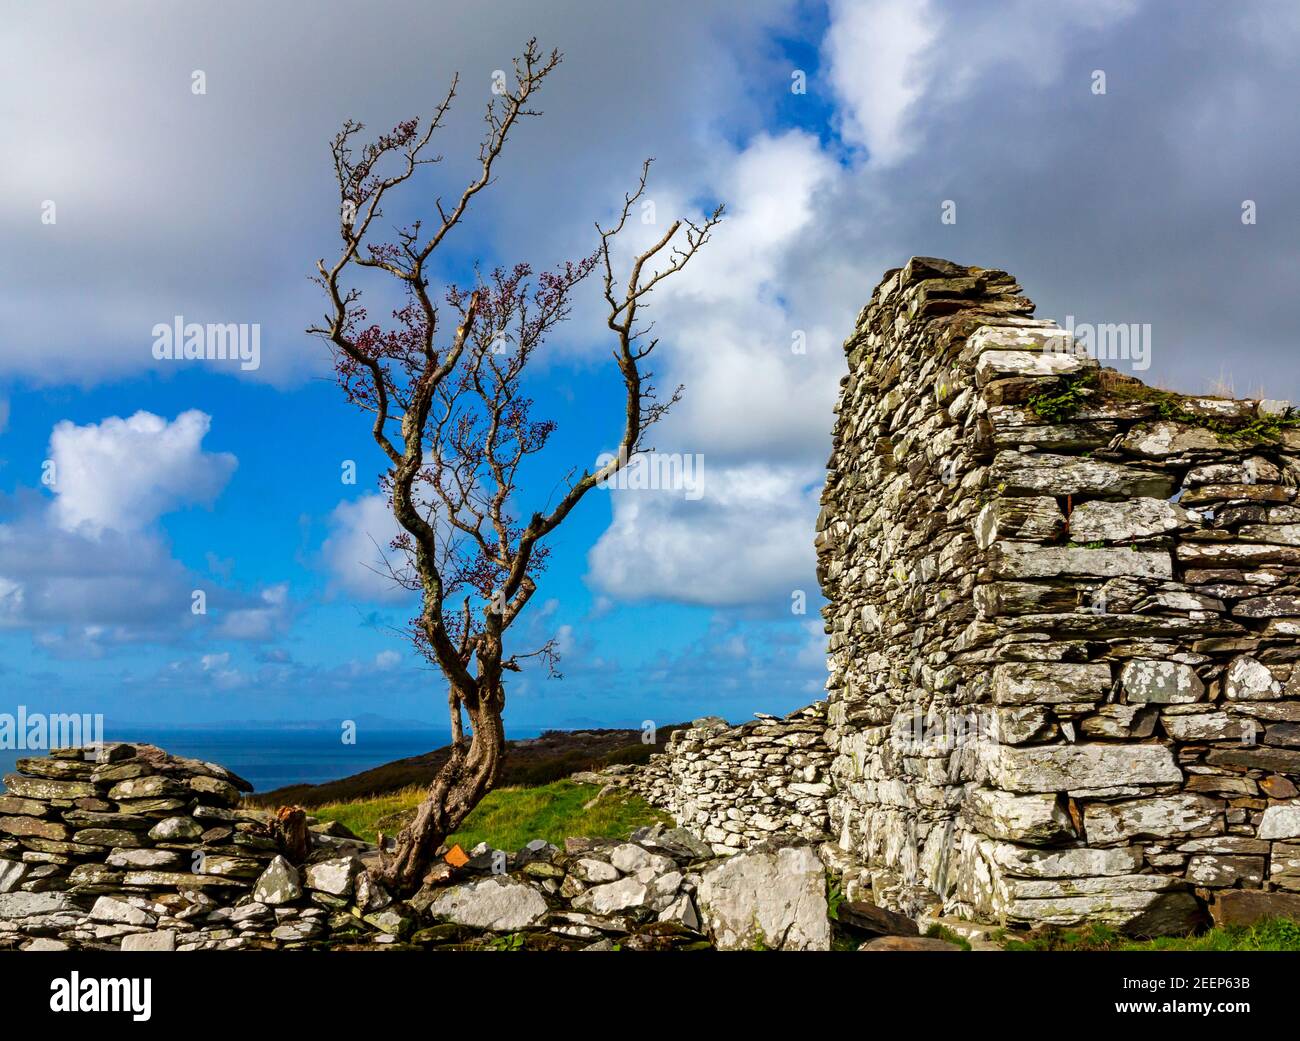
(272, 758)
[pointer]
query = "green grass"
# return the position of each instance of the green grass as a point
(359, 815)
(1170, 405)
(942, 932)
(1273, 934)
(1074, 391)
(1065, 402)
(509, 817)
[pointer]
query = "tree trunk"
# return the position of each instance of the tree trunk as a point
(458, 787)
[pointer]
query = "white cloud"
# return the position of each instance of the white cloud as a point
(755, 407)
(737, 315)
(386, 660)
(892, 63)
(51, 578)
(355, 549)
(122, 474)
(251, 152)
(747, 541)
(215, 671)
(806, 236)
(89, 570)
(985, 102)
(258, 622)
(874, 49)
(565, 640)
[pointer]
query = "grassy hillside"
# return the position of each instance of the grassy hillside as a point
(532, 761)
(508, 817)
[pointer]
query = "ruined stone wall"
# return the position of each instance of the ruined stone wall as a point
(128, 847)
(1063, 611)
(737, 785)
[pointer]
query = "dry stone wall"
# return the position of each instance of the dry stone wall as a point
(740, 785)
(1063, 611)
(126, 846)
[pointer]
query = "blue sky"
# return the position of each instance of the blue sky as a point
(1120, 207)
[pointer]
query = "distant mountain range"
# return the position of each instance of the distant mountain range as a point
(364, 721)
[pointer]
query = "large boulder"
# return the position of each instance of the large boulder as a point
(1174, 816)
(500, 904)
(1095, 766)
(1036, 818)
(176, 829)
(632, 858)
(908, 943)
(1249, 679)
(1280, 822)
(767, 899)
(868, 918)
(1161, 682)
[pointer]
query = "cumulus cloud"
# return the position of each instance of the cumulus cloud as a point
(250, 154)
(50, 577)
(82, 595)
(122, 474)
(90, 569)
(991, 106)
(217, 670)
(758, 364)
(873, 48)
(357, 545)
(262, 620)
(565, 640)
(745, 542)
(986, 104)
(760, 371)
(889, 61)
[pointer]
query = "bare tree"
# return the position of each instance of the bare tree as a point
(450, 414)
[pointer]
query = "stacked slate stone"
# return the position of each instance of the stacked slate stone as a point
(125, 845)
(1063, 617)
(737, 785)
(140, 850)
